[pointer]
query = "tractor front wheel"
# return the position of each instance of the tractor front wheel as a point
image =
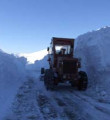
(49, 79)
(83, 81)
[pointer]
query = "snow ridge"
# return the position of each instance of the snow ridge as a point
(12, 74)
(93, 47)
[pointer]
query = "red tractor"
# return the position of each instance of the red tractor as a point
(63, 66)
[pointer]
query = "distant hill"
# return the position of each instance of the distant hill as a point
(32, 57)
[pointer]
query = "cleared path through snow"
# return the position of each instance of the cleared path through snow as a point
(34, 102)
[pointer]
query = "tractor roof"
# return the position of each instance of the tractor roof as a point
(63, 41)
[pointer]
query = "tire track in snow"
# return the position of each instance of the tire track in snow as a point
(94, 103)
(45, 106)
(24, 106)
(69, 113)
(84, 107)
(69, 107)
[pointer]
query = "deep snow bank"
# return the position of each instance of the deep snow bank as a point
(12, 74)
(93, 47)
(39, 64)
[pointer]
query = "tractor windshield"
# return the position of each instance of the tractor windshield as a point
(63, 49)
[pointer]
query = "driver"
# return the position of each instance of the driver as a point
(62, 51)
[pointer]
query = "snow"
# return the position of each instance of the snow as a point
(43, 63)
(33, 101)
(32, 57)
(93, 48)
(12, 75)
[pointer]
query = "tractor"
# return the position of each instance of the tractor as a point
(63, 66)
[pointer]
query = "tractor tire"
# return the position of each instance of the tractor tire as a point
(49, 79)
(42, 70)
(83, 81)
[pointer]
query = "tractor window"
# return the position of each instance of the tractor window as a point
(63, 49)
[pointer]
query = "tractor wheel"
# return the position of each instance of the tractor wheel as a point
(49, 79)
(42, 70)
(83, 81)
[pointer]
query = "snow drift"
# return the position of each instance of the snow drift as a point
(32, 57)
(93, 47)
(12, 74)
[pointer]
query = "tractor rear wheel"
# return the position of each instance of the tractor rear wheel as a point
(83, 81)
(49, 79)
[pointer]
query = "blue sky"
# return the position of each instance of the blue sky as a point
(28, 25)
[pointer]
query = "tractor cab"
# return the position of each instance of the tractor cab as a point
(60, 48)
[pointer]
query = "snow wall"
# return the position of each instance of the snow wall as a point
(12, 74)
(93, 48)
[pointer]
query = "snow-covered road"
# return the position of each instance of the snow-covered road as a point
(34, 102)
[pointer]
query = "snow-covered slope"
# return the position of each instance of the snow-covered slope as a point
(93, 47)
(12, 75)
(32, 57)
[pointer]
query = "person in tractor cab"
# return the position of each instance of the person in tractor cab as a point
(62, 51)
